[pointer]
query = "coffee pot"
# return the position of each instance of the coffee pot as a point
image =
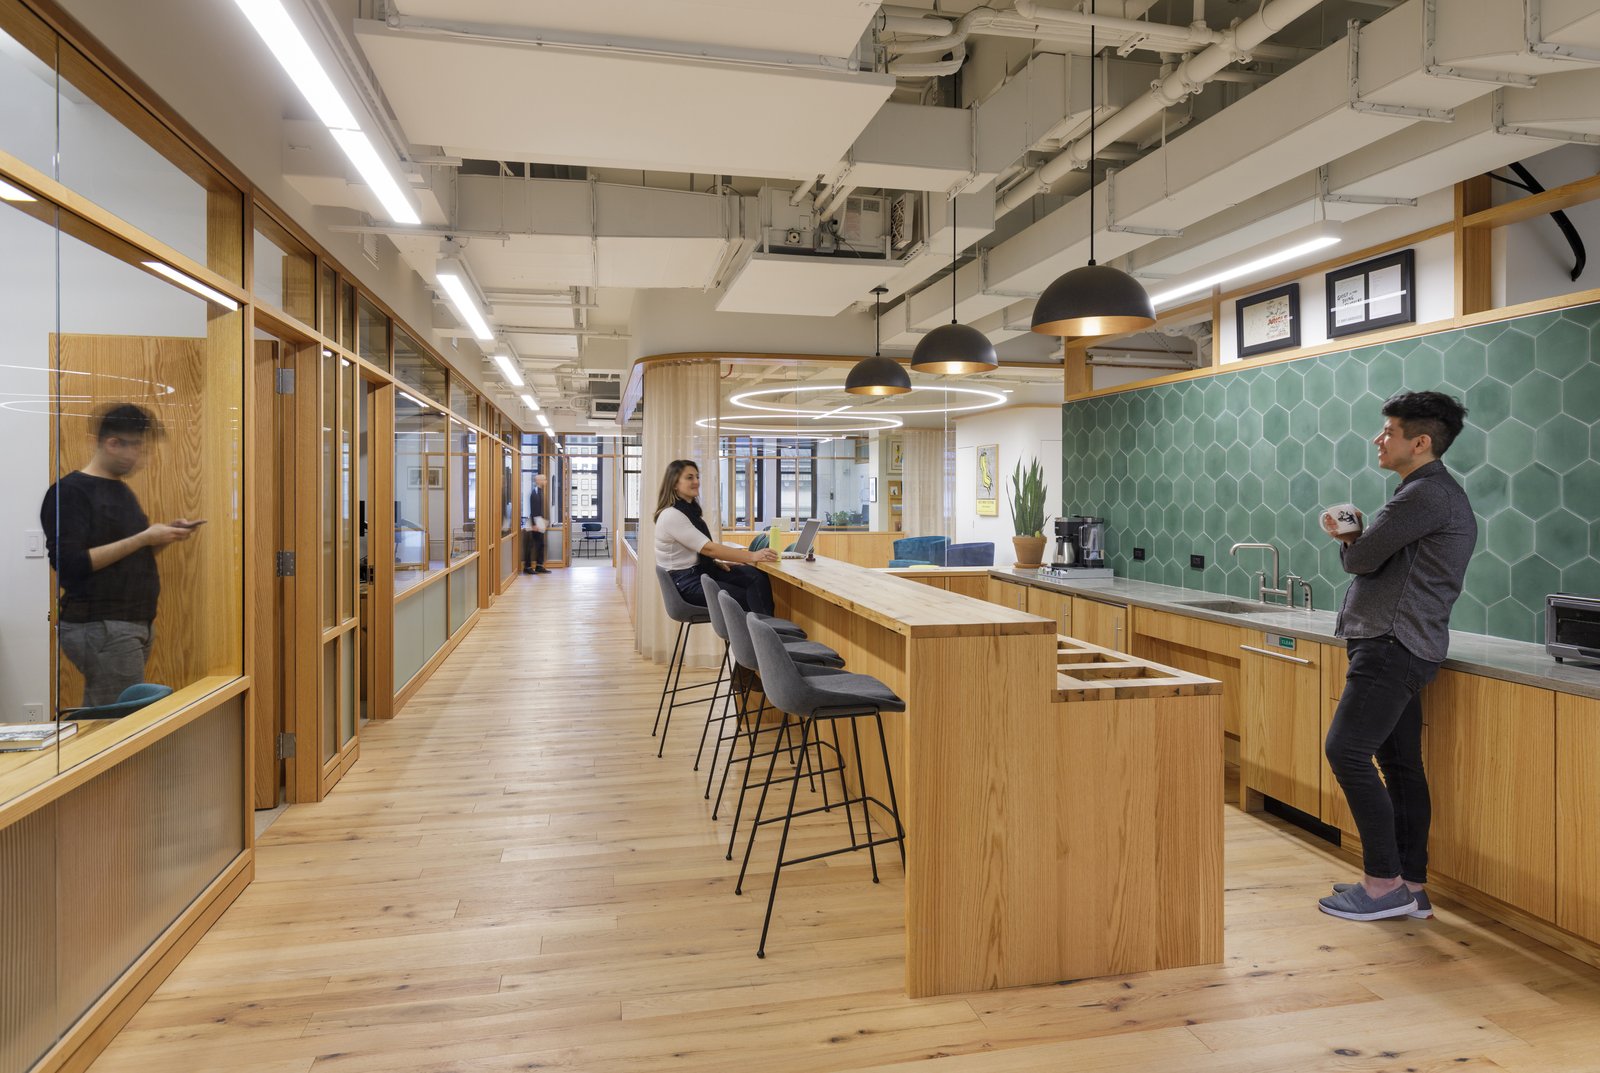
(1080, 541)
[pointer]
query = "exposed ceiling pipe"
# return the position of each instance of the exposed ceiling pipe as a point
(834, 202)
(1190, 77)
(936, 69)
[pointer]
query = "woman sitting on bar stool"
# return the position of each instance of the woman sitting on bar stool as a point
(684, 547)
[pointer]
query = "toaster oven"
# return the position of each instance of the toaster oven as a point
(1572, 627)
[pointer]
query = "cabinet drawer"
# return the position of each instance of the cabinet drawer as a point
(1213, 637)
(1280, 739)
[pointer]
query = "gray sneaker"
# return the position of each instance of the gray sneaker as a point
(1357, 904)
(1423, 911)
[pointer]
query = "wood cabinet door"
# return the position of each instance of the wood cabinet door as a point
(1100, 623)
(1489, 747)
(1335, 810)
(1054, 606)
(1280, 740)
(974, 585)
(1193, 644)
(1008, 594)
(1578, 815)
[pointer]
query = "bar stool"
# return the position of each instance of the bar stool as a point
(687, 616)
(825, 698)
(804, 651)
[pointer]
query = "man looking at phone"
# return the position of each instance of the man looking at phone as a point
(1408, 567)
(103, 550)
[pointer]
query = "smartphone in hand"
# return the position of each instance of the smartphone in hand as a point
(193, 523)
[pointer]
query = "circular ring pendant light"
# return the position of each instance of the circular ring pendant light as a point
(1095, 299)
(954, 348)
(877, 375)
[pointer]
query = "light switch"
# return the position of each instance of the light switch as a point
(33, 544)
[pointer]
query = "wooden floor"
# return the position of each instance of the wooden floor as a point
(510, 880)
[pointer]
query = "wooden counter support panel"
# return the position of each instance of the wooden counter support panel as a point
(1578, 816)
(1054, 793)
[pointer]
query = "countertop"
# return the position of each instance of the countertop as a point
(1493, 657)
(903, 606)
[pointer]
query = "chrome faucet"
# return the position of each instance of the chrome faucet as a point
(1281, 586)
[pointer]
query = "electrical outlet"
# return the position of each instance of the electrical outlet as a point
(33, 713)
(1138, 555)
(1197, 562)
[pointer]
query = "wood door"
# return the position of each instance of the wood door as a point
(1193, 644)
(1577, 815)
(1335, 810)
(1280, 746)
(1489, 747)
(1008, 594)
(1100, 623)
(1055, 606)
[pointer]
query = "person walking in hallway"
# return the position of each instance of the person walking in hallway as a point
(684, 547)
(1407, 569)
(538, 522)
(103, 549)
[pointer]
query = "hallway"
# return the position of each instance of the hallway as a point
(509, 879)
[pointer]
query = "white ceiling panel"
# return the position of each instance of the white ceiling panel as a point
(803, 286)
(660, 262)
(532, 316)
(823, 27)
(529, 262)
(585, 106)
(543, 346)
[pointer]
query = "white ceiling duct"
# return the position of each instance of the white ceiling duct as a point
(1301, 120)
(516, 93)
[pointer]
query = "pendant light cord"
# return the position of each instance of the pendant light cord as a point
(952, 258)
(1094, 121)
(877, 322)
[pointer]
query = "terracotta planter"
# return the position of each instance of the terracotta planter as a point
(1030, 551)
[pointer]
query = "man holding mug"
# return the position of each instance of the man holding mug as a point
(1407, 569)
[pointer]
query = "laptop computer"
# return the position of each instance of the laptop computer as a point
(802, 547)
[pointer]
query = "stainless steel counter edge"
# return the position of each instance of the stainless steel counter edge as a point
(1493, 657)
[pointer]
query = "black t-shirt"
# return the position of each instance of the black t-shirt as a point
(82, 512)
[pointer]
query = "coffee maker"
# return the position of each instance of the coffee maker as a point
(1080, 543)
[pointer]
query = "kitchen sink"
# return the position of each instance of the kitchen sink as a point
(1232, 607)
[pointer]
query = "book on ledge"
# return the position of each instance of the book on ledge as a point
(23, 737)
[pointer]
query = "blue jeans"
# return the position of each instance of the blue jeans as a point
(746, 584)
(1380, 717)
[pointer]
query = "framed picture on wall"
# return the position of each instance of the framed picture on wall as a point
(1269, 321)
(896, 454)
(988, 474)
(1374, 294)
(413, 476)
(435, 476)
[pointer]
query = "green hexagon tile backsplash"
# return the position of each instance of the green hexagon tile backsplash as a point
(1195, 466)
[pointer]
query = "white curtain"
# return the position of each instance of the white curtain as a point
(675, 398)
(928, 478)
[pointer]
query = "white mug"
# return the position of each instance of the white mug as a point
(1346, 519)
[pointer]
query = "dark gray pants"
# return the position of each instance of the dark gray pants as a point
(1380, 716)
(111, 655)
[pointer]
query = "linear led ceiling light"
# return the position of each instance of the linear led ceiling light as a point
(1319, 237)
(544, 422)
(271, 20)
(530, 402)
(743, 401)
(508, 369)
(12, 193)
(452, 276)
(210, 294)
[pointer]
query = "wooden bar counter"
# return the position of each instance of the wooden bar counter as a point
(1062, 802)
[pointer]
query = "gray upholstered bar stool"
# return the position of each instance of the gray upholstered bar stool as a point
(830, 698)
(810, 652)
(687, 616)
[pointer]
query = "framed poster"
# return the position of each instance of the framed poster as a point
(1268, 321)
(435, 476)
(896, 454)
(413, 476)
(988, 480)
(1379, 293)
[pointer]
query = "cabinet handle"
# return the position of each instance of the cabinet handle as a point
(1276, 655)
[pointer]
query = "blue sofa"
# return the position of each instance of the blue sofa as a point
(920, 551)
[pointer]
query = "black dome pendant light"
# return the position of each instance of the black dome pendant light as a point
(1095, 299)
(953, 347)
(877, 375)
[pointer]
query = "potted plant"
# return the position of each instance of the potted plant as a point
(1027, 514)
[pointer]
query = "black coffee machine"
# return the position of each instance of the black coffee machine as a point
(1080, 542)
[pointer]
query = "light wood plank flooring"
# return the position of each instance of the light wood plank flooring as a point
(510, 880)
